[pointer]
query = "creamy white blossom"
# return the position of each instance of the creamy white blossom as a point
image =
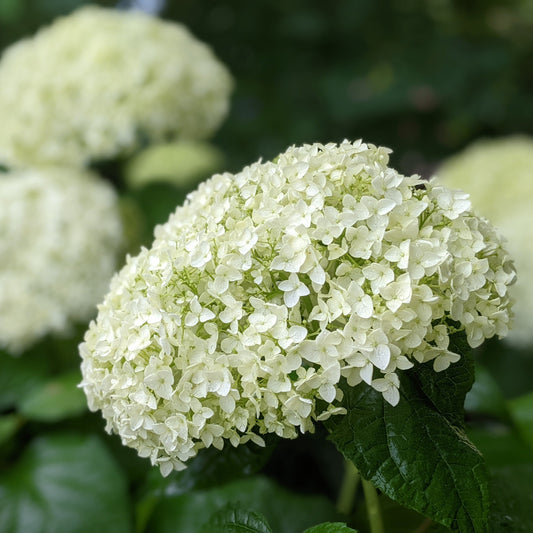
(498, 174)
(60, 235)
(100, 83)
(269, 286)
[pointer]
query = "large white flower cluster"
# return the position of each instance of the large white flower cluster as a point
(60, 234)
(100, 83)
(498, 174)
(268, 286)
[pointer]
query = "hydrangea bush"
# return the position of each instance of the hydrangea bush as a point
(270, 286)
(100, 83)
(498, 174)
(61, 233)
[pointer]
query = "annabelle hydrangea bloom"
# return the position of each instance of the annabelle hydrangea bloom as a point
(270, 286)
(60, 233)
(498, 174)
(99, 83)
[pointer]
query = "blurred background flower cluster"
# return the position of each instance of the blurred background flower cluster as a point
(100, 140)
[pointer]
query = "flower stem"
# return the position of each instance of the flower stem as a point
(372, 507)
(348, 488)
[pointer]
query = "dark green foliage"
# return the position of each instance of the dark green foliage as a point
(285, 512)
(446, 391)
(19, 376)
(210, 468)
(64, 483)
(512, 494)
(331, 527)
(417, 452)
(422, 78)
(57, 399)
(233, 519)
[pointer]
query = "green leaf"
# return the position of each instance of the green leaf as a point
(19, 376)
(413, 452)
(55, 400)
(447, 390)
(331, 527)
(234, 519)
(522, 414)
(286, 512)
(64, 483)
(512, 497)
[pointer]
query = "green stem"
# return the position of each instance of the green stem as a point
(348, 488)
(372, 507)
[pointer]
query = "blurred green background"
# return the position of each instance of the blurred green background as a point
(424, 77)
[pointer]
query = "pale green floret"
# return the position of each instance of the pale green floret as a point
(498, 174)
(269, 286)
(60, 236)
(101, 83)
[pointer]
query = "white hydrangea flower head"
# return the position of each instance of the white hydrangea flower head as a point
(60, 237)
(498, 175)
(100, 83)
(269, 286)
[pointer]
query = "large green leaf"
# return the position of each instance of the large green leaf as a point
(447, 390)
(55, 400)
(235, 519)
(331, 527)
(416, 452)
(64, 483)
(286, 512)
